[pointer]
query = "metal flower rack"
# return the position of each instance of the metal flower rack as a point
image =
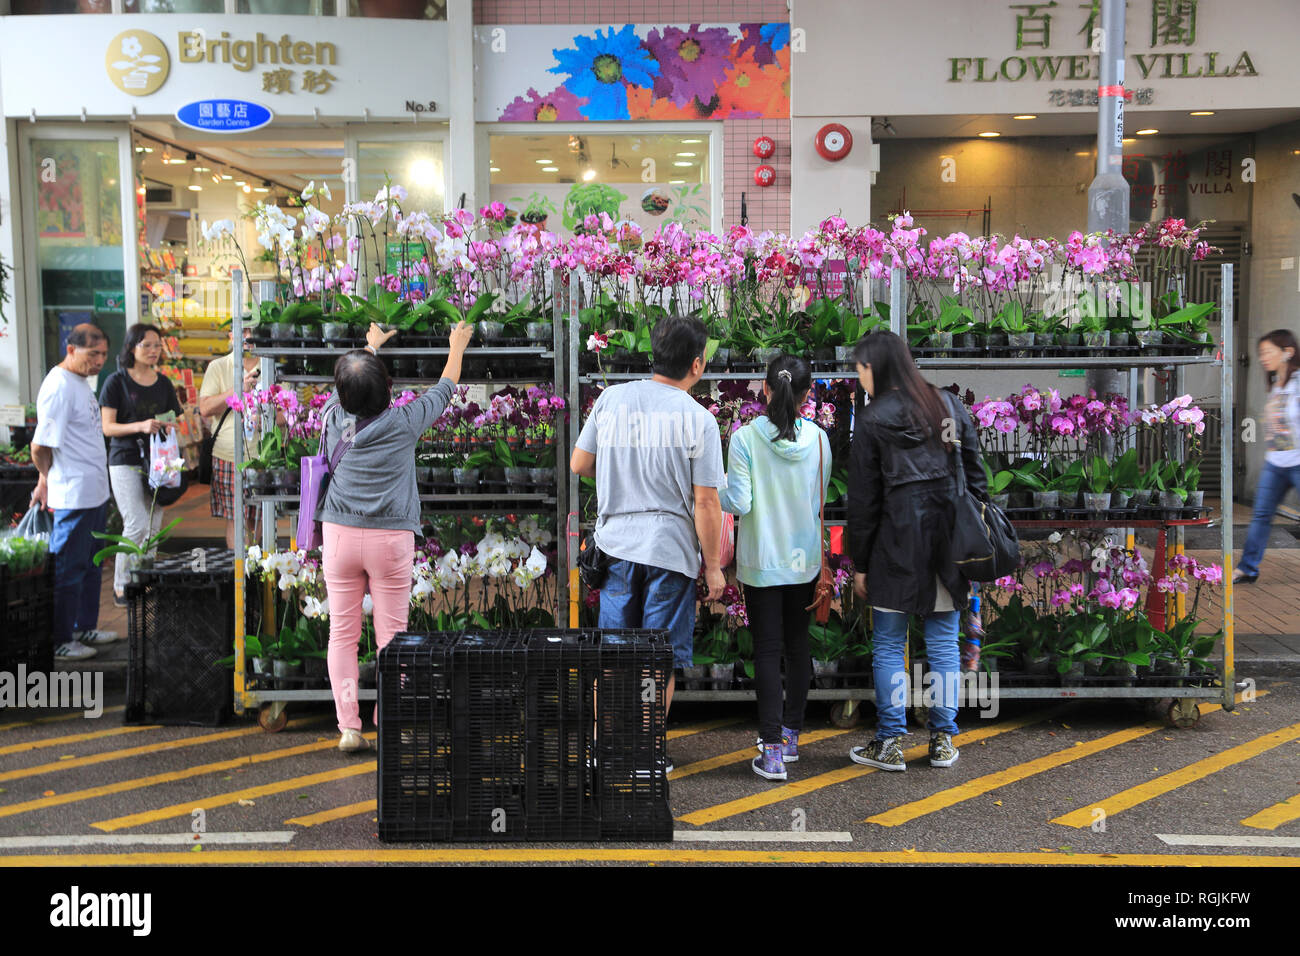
(1169, 531)
(492, 366)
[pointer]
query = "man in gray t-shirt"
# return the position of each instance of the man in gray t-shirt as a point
(657, 460)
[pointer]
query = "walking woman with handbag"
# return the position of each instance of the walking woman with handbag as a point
(1279, 354)
(777, 476)
(129, 404)
(902, 489)
(371, 510)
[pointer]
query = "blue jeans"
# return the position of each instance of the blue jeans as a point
(637, 595)
(889, 635)
(76, 577)
(1270, 491)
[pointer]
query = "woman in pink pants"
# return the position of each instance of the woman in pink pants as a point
(371, 512)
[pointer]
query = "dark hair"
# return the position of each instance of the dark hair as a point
(785, 389)
(1283, 339)
(676, 342)
(362, 384)
(892, 367)
(85, 335)
(134, 336)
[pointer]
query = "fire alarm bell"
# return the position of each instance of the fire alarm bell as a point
(834, 141)
(764, 147)
(764, 176)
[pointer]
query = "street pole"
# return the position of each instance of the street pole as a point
(1108, 196)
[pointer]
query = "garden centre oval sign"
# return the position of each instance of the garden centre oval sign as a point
(223, 116)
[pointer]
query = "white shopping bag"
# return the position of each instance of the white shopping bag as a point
(165, 461)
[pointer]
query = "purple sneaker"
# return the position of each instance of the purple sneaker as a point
(789, 745)
(770, 766)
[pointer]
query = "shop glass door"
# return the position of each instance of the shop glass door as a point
(79, 238)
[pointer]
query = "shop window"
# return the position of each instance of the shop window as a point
(649, 178)
(415, 165)
(399, 9)
(174, 6)
(293, 8)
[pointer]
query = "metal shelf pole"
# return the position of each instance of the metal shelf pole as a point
(1227, 445)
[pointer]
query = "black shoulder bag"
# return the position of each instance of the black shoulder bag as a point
(984, 545)
(205, 451)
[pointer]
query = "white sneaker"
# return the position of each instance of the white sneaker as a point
(96, 637)
(72, 651)
(352, 740)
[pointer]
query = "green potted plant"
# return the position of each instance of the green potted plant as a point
(587, 199)
(1012, 320)
(1124, 479)
(828, 642)
(537, 208)
(998, 483)
(1093, 322)
(1097, 479)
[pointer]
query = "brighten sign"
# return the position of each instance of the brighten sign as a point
(224, 116)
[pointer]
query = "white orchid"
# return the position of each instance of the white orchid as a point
(325, 190)
(315, 608)
(536, 563)
(222, 227)
(254, 555)
(421, 589)
(310, 190)
(1054, 538)
(314, 222)
(367, 604)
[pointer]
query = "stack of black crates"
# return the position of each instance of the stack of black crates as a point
(27, 636)
(180, 623)
(539, 735)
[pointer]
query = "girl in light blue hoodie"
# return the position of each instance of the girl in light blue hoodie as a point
(772, 484)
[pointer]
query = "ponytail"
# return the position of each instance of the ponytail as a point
(787, 376)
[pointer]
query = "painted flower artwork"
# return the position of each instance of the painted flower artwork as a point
(739, 71)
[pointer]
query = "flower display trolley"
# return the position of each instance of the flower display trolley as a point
(1165, 605)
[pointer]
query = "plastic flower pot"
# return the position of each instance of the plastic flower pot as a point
(765, 356)
(1074, 676)
(1094, 501)
(1069, 340)
(721, 359)
(1003, 501)
(1067, 499)
(366, 673)
(253, 480)
(1141, 499)
(286, 480)
(1022, 342)
(282, 669)
(1170, 501)
(1121, 339)
(1047, 500)
(964, 341)
(825, 672)
(996, 340)
(722, 672)
(542, 477)
(517, 478)
(1096, 340)
(439, 476)
(693, 675)
(541, 332)
(1118, 500)
(282, 331)
(335, 334)
(940, 341)
(422, 475)
(491, 331)
(465, 477)
(825, 353)
(316, 670)
(1094, 667)
(1125, 672)
(1171, 667)
(844, 354)
(310, 332)
(1038, 664)
(1195, 501)
(1150, 339)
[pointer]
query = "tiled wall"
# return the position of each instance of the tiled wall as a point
(768, 206)
(630, 11)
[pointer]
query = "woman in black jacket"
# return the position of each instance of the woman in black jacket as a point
(901, 489)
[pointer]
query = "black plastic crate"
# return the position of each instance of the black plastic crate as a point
(27, 610)
(180, 623)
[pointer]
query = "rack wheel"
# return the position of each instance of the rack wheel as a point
(1183, 713)
(846, 714)
(273, 717)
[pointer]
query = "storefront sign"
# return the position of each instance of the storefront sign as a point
(834, 272)
(110, 302)
(137, 62)
(224, 116)
(13, 415)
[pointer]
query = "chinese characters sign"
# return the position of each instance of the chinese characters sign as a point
(224, 116)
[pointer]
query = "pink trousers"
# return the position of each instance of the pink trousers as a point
(357, 560)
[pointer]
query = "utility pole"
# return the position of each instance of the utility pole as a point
(1108, 196)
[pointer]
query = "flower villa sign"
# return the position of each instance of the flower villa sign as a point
(1171, 47)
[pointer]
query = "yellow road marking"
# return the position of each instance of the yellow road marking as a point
(225, 799)
(338, 813)
(121, 786)
(980, 785)
(58, 717)
(505, 854)
(800, 787)
(71, 739)
(749, 753)
(1172, 781)
(107, 755)
(699, 728)
(1273, 817)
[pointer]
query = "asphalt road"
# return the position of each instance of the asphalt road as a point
(1025, 790)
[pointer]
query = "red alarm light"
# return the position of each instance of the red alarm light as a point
(764, 147)
(764, 176)
(833, 141)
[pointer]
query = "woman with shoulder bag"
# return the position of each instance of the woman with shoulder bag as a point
(779, 467)
(371, 510)
(130, 402)
(902, 487)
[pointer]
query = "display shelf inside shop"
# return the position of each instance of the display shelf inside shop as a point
(552, 503)
(1170, 529)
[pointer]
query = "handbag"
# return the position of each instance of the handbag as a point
(205, 451)
(314, 472)
(983, 544)
(824, 589)
(593, 564)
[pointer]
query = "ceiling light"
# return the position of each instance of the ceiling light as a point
(588, 175)
(1084, 152)
(1295, 152)
(1147, 132)
(245, 187)
(685, 154)
(264, 188)
(989, 135)
(683, 163)
(692, 141)
(494, 169)
(550, 169)
(1129, 139)
(166, 157)
(227, 177)
(1201, 113)
(216, 177)
(1025, 116)
(676, 182)
(195, 185)
(203, 169)
(543, 162)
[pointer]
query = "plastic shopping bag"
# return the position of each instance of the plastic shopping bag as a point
(36, 523)
(165, 461)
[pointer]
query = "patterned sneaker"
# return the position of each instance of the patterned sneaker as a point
(770, 766)
(72, 651)
(789, 745)
(885, 754)
(95, 637)
(351, 740)
(942, 752)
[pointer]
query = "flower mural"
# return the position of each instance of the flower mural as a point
(663, 72)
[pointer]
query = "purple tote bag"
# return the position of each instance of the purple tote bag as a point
(315, 471)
